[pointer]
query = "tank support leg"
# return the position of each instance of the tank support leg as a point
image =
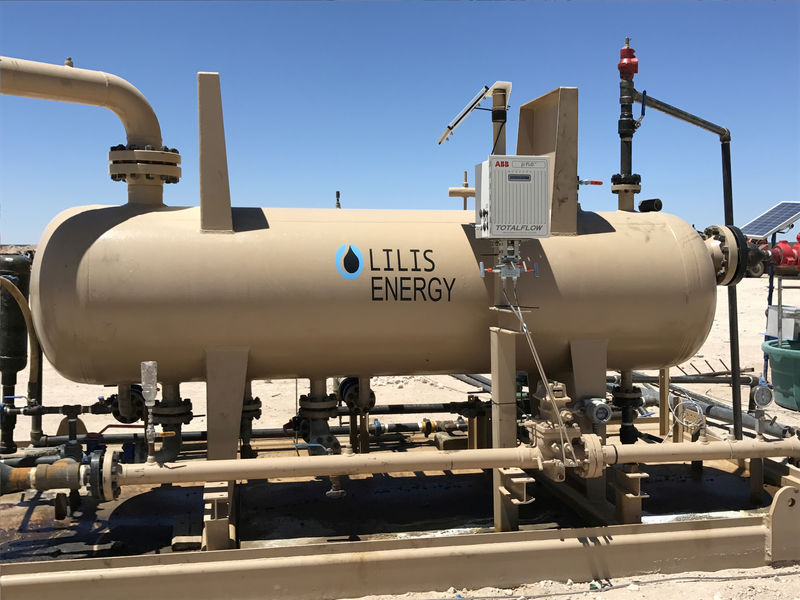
(226, 384)
(504, 421)
(226, 381)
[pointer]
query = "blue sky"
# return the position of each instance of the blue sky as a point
(353, 96)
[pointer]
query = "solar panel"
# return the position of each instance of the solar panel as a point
(776, 218)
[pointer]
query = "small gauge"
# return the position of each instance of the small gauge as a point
(761, 395)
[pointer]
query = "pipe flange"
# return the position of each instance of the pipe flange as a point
(626, 396)
(173, 415)
(728, 248)
(110, 489)
(318, 408)
(251, 409)
(349, 393)
(96, 475)
(592, 464)
(144, 165)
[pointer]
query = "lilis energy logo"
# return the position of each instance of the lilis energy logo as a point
(349, 261)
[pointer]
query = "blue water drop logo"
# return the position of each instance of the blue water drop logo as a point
(349, 261)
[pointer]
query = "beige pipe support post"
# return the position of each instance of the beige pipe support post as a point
(504, 420)
(215, 195)
(663, 402)
(81, 86)
(523, 457)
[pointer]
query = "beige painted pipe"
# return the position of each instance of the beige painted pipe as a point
(81, 86)
(524, 457)
(310, 466)
(685, 451)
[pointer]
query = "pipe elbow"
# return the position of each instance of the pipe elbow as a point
(33, 79)
(137, 116)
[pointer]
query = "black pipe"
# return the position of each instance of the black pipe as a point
(275, 432)
(733, 314)
(743, 379)
(416, 409)
(727, 192)
(672, 111)
(769, 300)
(475, 380)
(35, 399)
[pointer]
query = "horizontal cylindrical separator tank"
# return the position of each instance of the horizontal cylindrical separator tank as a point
(319, 293)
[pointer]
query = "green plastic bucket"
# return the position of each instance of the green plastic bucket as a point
(785, 365)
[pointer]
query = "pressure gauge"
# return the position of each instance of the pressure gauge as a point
(761, 395)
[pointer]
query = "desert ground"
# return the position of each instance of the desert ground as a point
(279, 405)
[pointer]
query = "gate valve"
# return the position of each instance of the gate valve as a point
(628, 63)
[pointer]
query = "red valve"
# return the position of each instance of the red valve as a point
(785, 254)
(628, 63)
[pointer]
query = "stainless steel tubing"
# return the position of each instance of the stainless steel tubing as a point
(309, 466)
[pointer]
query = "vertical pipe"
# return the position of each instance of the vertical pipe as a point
(663, 402)
(35, 398)
(770, 289)
(733, 316)
(625, 127)
(780, 311)
(498, 122)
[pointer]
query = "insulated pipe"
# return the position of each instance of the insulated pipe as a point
(523, 457)
(614, 454)
(81, 86)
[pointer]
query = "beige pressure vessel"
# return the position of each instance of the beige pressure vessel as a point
(321, 293)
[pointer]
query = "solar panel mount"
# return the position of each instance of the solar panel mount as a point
(776, 218)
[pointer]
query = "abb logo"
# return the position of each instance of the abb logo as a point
(501, 163)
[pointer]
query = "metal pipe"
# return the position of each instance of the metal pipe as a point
(721, 412)
(688, 451)
(523, 457)
(727, 191)
(476, 380)
(733, 311)
(81, 86)
(668, 109)
(170, 444)
(35, 363)
(416, 409)
(769, 300)
(270, 433)
(743, 380)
